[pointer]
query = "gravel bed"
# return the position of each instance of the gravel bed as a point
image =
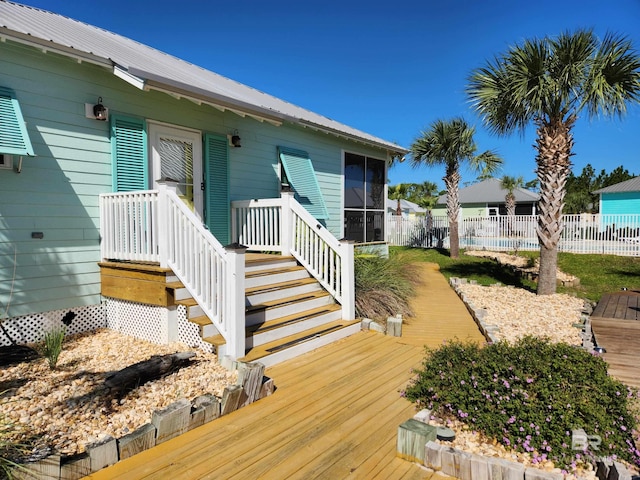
(69, 407)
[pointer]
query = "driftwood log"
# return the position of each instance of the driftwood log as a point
(156, 367)
(12, 354)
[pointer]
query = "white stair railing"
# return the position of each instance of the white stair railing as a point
(283, 225)
(157, 226)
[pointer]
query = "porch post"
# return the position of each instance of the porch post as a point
(286, 227)
(234, 312)
(348, 280)
(163, 232)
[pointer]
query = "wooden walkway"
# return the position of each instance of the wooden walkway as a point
(334, 415)
(615, 323)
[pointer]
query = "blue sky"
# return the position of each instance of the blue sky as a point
(388, 68)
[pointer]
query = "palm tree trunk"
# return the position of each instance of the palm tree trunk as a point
(451, 181)
(554, 144)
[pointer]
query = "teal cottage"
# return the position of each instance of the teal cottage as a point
(149, 195)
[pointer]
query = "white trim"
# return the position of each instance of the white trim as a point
(122, 73)
(7, 161)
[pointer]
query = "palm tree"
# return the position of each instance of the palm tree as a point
(449, 143)
(548, 82)
(398, 192)
(510, 184)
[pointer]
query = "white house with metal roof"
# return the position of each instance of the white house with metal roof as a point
(114, 152)
(487, 198)
(620, 199)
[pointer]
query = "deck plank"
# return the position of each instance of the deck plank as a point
(615, 323)
(334, 414)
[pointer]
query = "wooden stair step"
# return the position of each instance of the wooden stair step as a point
(257, 259)
(174, 285)
(273, 271)
(201, 321)
(290, 319)
(260, 351)
(279, 286)
(287, 301)
(215, 340)
(187, 302)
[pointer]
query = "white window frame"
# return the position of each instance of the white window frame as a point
(7, 162)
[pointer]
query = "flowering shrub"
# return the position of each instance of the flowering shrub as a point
(530, 396)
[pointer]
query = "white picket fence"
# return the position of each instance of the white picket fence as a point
(585, 233)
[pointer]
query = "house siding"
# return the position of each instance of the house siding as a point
(620, 203)
(57, 191)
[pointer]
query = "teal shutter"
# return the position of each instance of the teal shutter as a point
(14, 138)
(217, 207)
(129, 151)
(302, 178)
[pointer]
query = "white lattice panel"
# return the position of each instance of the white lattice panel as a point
(146, 322)
(32, 328)
(189, 332)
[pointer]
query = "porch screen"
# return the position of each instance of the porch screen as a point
(14, 139)
(302, 178)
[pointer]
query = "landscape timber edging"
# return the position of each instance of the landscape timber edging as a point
(177, 418)
(463, 465)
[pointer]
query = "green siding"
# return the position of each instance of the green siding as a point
(57, 191)
(620, 203)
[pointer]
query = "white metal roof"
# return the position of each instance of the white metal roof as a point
(632, 185)
(148, 68)
(490, 191)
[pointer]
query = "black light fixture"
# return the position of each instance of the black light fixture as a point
(99, 111)
(235, 139)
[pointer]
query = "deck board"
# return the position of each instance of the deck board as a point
(615, 323)
(334, 414)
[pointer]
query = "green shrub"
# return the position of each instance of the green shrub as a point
(530, 396)
(384, 285)
(52, 345)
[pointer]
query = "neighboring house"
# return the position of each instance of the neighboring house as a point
(621, 198)
(409, 209)
(487, 198)
(92, 123)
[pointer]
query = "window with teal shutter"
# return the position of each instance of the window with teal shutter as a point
(217, 214)
(14, 138)
(129, 151)
(302, 178)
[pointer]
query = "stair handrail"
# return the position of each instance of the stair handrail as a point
(327, 259)
(213, 274)
(284, 225)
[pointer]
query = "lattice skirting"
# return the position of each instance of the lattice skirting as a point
(159, 325)
(32, 328)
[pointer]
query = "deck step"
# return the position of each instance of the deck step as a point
(265, 293)
(290, 325)
(282, 307)
(254, 263)
(306, 341)
(274, 275)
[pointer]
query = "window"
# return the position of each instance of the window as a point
(364, 180)
(14, 139)
(6, 162)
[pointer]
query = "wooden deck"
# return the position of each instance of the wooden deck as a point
(615, 323)
(334, 415)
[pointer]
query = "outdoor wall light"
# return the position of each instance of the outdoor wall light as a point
(235, 139)
(99, 111)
